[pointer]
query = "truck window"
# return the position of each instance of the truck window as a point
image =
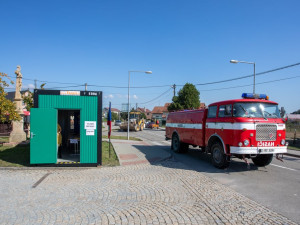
(212, 111)
(225, 111)
(255, 109)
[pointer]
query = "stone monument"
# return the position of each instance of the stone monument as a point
(18, 134)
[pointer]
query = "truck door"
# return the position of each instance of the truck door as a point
(211, 122)
(43, 136)
(224, 125)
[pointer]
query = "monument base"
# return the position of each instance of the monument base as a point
(17, 134)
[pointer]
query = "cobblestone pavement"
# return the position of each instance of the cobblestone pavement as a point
(168, 193)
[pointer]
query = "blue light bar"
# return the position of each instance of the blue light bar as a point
(255, 96)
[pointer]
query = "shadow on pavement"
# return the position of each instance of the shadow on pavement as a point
(193, 160)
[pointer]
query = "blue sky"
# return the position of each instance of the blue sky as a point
(98, 42)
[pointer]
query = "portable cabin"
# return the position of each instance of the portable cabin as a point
(78, 115)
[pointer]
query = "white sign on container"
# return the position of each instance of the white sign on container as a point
(90, 132)
(90, 125)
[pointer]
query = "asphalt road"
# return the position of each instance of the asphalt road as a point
(276, 186)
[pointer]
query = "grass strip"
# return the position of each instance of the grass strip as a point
(106, 160)
(19, 156)
(122, 138)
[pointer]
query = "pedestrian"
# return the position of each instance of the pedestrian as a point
(59, 141)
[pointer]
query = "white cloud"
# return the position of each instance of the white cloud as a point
(108, 96)
(31, 86)
(27, 86)
(135, 97)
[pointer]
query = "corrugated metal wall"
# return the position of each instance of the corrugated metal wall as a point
(88, 112)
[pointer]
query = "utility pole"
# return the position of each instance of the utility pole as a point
(35, 86)
(85, 86)
(174, 89)
(136, 105)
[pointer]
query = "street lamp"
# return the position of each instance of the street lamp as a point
(147, 72)
(236, 61)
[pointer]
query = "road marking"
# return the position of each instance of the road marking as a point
(283, 167)
(156, 143)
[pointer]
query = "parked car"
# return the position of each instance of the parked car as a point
(152, 125)
(118, 122)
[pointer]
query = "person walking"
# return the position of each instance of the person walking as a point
(59, 141)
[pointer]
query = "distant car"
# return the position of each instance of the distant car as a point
(152, 125)
(118, 122)
(148, 125)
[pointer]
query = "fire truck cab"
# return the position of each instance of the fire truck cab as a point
(244, 128)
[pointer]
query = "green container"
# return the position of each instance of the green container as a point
(79, 114)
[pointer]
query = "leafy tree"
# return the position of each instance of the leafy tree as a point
(114, 116)
(296, 112)
(188, 98)
(28, 100)
(124, 115)
(143, 116)
(7, 107)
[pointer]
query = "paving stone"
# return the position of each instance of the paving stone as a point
(166, 193)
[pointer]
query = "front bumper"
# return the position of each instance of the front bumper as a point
(257, 150)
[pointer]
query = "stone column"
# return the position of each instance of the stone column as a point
(18, 134)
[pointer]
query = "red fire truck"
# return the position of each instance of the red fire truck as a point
(244, 128)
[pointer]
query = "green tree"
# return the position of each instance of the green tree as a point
(114, 116)
(28, 100)
(7, 107)
(143, 116)
(188, 98)
(124, 115)
(296, 112)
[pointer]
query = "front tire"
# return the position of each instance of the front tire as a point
(262, 160)
(219, 159)
(178, 146)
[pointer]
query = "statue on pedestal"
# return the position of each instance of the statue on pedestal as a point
(18, 134)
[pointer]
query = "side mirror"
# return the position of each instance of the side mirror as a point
(282, 112)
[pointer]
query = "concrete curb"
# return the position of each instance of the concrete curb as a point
(293, 155)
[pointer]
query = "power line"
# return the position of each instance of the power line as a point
(159, 86)
(257, 74)
(156, 97)
(272, 81)
(64, 87)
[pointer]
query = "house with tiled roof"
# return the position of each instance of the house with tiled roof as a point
(160, 113)
(113, 110)
(147, 112)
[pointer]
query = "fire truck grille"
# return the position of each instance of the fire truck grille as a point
(266, 132)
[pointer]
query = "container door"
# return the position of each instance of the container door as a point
(43, 136)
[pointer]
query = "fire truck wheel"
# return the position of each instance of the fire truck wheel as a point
(262, 160)
(175, 143)
(218, 157)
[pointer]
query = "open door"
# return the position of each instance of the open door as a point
(43, 136)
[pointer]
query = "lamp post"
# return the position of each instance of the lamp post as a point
(236, 61)
(147, 72)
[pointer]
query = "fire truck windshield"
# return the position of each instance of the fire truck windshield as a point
(255, 109)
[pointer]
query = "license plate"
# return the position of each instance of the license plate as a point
(266, 150)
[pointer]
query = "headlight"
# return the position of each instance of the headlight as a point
(246, 142)
(240, 144)
(282, 142)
